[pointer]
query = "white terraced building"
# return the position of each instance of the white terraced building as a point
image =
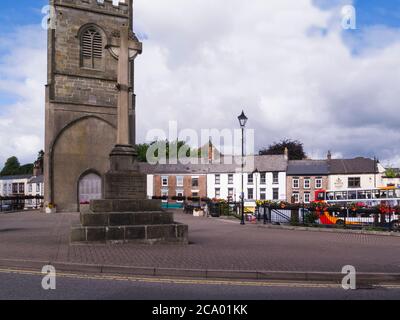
(35, 188)
(23, 185)
(264, 179)
(357, 173)
(14, 185)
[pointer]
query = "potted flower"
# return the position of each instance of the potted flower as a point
(84, 207)
(51, 208)
(260, 203)
(384, 208)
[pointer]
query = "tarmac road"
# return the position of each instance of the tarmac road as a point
(27, 285)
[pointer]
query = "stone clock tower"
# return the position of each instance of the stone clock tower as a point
(82, 98)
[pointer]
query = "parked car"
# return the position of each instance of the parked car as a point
(5, 207)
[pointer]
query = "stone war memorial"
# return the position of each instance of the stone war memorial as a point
(91, 125)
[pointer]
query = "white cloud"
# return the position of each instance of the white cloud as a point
(23, 75)
(205, 60)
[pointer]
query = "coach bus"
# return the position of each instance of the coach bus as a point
(388, 198)
(370, 197)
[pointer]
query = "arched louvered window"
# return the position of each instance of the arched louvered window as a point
(91, 49)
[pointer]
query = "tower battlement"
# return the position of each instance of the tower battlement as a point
(120, 7)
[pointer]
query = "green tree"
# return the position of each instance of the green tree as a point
(11, 167)
(26, 169)
(391, 173)
(175, 147)
(171, 149)
(40, 158)
(142, 150)
(295, 148)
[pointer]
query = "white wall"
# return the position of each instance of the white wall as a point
(4, 187)
(395, 181)
(367, 181)
(150, 185)
(237, 186)
(9, 184)
(224, 186)
(36, 190)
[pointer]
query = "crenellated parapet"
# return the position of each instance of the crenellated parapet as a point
(119, 7)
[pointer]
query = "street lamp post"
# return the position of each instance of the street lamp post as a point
(242, 121)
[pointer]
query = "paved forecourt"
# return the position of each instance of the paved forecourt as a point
(214, 245)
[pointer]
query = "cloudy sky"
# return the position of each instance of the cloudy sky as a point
(288, 63)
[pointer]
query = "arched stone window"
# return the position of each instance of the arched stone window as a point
(91, 49)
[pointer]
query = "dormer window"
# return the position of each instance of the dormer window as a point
(91, 49)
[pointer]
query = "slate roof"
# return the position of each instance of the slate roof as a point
(173, 168)
(268, 163)
(38, 179)
(227, 164)
(17, 177)
(353, 166)
(308, 167)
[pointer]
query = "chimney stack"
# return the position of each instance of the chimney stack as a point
(37, 169)
(210, 151)
(329, 156)
(286, 153)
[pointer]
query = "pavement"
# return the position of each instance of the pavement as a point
(218, 249)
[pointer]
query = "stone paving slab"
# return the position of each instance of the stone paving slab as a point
(214, 245)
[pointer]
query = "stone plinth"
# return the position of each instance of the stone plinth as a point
(113, 219)
(146, 234)
(125, 185)
(118, 205)
(128, 220)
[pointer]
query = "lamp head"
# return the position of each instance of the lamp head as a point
(242, 119)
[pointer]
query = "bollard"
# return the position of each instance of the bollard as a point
(265, 213)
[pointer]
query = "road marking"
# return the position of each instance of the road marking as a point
(171, 280)
(106, 277)
(230, 221)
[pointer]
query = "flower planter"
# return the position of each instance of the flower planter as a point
(50, 210)
(84, 208)
(198, 213)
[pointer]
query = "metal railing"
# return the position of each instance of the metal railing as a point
(345, 217)
(189, 204)
(298, 214)
(20, 203)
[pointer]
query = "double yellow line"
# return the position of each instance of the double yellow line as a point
(105, 277)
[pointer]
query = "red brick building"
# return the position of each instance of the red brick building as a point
(304, 177)
(176, 181)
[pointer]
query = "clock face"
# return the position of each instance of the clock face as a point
(115, 52)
